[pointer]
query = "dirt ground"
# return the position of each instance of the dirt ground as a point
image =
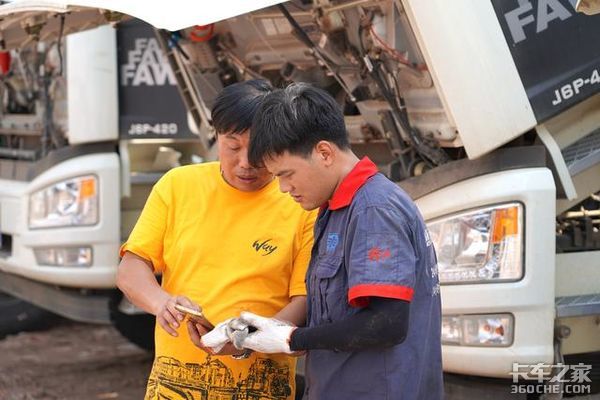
(72, 361)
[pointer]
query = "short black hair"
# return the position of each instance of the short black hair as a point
(295, 119)
(235, 106)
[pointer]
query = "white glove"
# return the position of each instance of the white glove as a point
(231, 330)
(218, 337)
(271, 336)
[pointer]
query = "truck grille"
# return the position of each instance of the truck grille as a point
(583, 154)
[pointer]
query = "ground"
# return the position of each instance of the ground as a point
(72, 361)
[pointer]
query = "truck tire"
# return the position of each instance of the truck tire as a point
(137, 328)
(17, 315)
(591, 361)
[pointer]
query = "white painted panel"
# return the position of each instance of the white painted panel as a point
(92, 86)
(473, 70)
(172, 15)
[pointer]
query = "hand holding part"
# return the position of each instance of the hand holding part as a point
(238, 330)
(218, 337)
(197, 331)
(231, 330)
(271, 335)
(168, 317)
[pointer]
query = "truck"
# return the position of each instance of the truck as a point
(487, 113)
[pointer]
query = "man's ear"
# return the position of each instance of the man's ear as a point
(325, 152)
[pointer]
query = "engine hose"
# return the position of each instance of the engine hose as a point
(303, 36)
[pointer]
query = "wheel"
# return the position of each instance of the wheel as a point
(137, 328)
(17, 315)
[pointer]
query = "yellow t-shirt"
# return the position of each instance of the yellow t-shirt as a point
(229, 251)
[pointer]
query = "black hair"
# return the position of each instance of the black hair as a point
(236, 105)
(295, 119)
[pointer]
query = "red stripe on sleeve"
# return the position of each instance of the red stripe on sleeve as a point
(358, 296)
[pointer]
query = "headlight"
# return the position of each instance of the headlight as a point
(479, 246)
(71, 202)
(494, 330)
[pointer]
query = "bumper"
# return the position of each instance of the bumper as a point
(72, 304)
(17, 257)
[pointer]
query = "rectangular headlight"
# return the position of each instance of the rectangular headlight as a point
(73, 202)
(493, 330)
(479, 246)
(64, 256)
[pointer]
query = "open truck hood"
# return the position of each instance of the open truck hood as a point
(462, 81)
(485, 66)
(22, 20)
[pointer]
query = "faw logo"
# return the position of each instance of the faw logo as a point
(146, 65)
(265, 248)
(535, 17)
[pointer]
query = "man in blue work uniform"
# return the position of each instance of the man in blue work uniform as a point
(373, 291)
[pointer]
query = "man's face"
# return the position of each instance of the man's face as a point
(233, 154)
(306, 179)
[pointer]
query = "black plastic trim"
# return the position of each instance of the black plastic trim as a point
(5, 245)
(459, 387)
(63, 154)
(460, 170)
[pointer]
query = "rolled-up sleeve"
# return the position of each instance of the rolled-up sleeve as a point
(147, 237)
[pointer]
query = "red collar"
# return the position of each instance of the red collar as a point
(342, 197)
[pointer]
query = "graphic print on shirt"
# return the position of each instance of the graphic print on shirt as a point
(434, 266)
(428, 241)
(333, 239)
(382, 251)
(376, 253)
(172, 379)
(264, 247)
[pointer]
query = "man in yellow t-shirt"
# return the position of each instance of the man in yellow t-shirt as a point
(224, 237)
